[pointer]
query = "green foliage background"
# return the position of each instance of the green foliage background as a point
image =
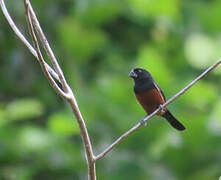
(97, 43)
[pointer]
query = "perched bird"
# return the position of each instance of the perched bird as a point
(150, 96)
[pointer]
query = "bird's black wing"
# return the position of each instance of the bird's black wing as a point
(159, 89)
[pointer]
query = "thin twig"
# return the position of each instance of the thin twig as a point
(22, 38)
(86, 139)
(120, 139)
(193, 82)
(41, 59)
(47, 47)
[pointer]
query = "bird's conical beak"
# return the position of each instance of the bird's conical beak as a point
(132, 74)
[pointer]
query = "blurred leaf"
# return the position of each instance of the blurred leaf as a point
(200, 100)
(2, 117)
(63, 124)
(201, 51)
(80, 41)
(207, 11)
(156, 8)
(214, 124)
(211, 172)
(35, 139)
(149, 58)
(158, 147)
(98, 11)
(24, 109)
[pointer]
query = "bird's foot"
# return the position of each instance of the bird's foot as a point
(162, 109)
(143, 122)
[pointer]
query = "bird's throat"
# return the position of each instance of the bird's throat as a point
(143, 85)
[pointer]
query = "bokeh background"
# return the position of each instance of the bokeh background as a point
(97, 43)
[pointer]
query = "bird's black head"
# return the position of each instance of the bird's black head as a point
(140, 74)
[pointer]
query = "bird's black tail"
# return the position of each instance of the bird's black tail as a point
(172, 120)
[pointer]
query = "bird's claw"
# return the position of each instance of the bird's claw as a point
(162, 110)
(143, 122)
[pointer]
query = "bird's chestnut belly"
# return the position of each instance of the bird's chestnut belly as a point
(150, 100)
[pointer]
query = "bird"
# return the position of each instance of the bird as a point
(150, 96)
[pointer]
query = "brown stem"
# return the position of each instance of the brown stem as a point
(85, 138)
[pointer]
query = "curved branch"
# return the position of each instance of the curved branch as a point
(47, 47)
(138, 125)
(41, 59)
(22, 38)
